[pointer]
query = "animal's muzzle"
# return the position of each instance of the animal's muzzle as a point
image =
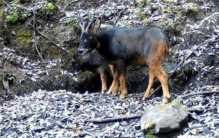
(82, 51)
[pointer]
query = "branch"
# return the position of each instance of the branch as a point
(198, 93)
(116, 119)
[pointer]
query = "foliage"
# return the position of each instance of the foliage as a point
(23, 37)
(149, 134)
(12, 17)
(50, 8)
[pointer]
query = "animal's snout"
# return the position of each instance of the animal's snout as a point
(80, 51)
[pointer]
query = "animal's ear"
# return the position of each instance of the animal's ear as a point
(94, 26)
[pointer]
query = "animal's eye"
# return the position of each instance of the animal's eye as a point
(90, 37)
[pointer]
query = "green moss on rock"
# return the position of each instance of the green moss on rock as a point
(50, 8)
(12, 17)
(149, 134)
(23, 37)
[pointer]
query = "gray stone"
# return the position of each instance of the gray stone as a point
(164, 118)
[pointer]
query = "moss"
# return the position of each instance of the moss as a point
(15, 15)
(12, 17)
(149, 134)
(50, 8)
(23, 37)
(70, 22)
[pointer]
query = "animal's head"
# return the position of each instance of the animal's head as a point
(88, 40)
(90, 61)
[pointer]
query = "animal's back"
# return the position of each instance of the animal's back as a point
(128, 43)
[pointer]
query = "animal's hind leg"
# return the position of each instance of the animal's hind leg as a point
(150, 83)
(162, 76)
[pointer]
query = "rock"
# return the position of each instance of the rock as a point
(193, 7)
(164, 118)
(170, 1)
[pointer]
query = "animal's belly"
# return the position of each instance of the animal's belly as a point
(137, 61)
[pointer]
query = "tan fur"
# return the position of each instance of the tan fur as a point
(103, 79)
(156, 70)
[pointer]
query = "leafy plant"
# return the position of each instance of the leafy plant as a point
(50, 8)
(12, 17)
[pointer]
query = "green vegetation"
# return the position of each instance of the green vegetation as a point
(50, 8)
(70, 22)
(149, 134)
(23, 37)
(12, 17)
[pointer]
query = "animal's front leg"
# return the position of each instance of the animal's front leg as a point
(103, 78)
(122, 88)
(115, 84)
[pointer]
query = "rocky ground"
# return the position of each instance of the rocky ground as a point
(38, 40)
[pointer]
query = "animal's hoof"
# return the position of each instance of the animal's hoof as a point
(146, 97)
(108, 92)
(166, 100)
(123, 96)
(103, 91)
(113, 93)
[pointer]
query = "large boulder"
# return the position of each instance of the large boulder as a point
(164, 118)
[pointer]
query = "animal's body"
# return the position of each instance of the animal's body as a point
(122, 47)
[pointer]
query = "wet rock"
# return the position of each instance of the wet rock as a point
(164, 118)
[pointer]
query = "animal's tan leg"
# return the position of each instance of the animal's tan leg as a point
(112, 69)
(103, 78)
(123, 88)
(148, 93)
(162, 76)
(115, 84)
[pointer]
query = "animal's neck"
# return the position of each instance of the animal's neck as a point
(103, 46)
